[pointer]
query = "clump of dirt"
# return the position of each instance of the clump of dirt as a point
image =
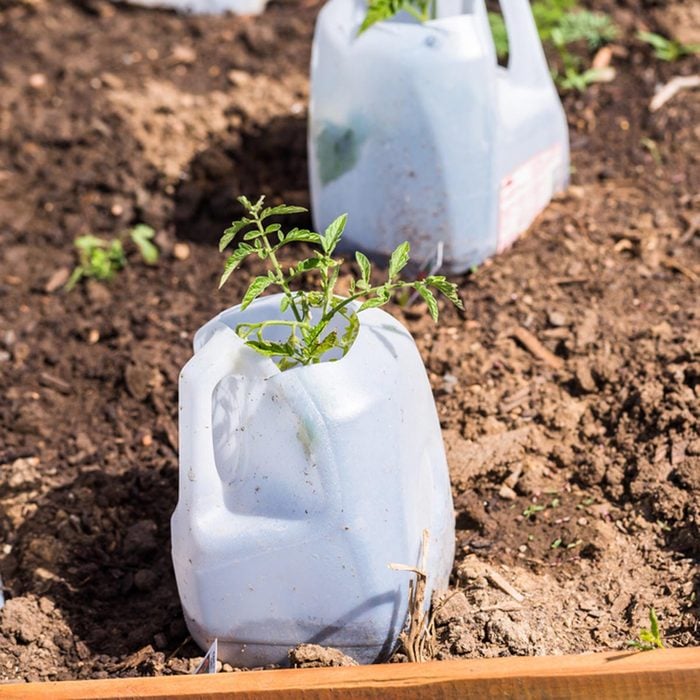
(567, 391)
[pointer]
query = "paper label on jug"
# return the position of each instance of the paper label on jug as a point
(525, 193)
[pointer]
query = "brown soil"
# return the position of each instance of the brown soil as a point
(114, 115)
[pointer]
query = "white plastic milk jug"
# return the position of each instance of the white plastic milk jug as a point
(419, 135)
(240, 7)
(299, 488)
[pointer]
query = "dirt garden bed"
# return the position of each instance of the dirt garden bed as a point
(571, 382)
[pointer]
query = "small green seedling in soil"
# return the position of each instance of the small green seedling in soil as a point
(588, 501)
(649, 638)
(308, 339)
(668, 49)
(532, 509)
(101, 259)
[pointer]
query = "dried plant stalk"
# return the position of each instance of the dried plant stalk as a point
(418, 639)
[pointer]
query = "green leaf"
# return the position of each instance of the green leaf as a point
(302, 235)
(655, 40)
(281, 210)
(141, 235)
(399, 259)
(89, 241)
(328, 343)
(270, 349)
(365, 266)
(372, 303)
(351, 331)
(384, 293)
(333, 234)
(654, 622)
(448, 289)
(429, 300)
(231, 231)
(307, 334)
(245, 202)
(234, 260)
(253, 234)
(309, 264)
(313, 299)
(257, 287)
(380, 10)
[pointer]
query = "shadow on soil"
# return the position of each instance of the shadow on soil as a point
(269, 160)
(106, 565)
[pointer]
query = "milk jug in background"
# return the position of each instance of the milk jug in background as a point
(240, 7)
(419, 135)
(299, 488)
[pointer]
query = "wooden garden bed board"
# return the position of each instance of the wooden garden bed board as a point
(672, 674)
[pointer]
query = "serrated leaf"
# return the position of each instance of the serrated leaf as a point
(309, 264)
(384, 293)
(281, 210)
(284, 303)
(272, 228)
(268, 348)
(372, 303)
(399, 259)
(257, 287)
(333, 233)
(314, 299)
(231, 232)
(351, 331)
(328, 343)
(253, 234)
(302, 235)
(365, 266)
(307, 334)
(429, 300)
(448, 289)
(234, 260)
(245, 202)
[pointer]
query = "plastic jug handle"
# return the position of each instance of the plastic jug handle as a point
(199, 479)
(527, 63)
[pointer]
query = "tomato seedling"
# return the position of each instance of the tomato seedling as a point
(309, 337)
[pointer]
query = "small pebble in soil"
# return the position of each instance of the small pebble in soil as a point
(181, 251)
(37, 81)
(556, 319)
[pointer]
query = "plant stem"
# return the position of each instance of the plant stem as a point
(278, 268)
(321, 325)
